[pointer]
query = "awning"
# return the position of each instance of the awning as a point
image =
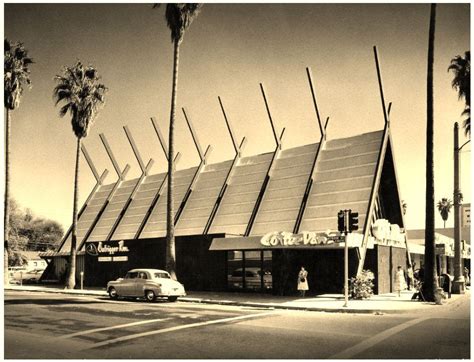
(284, 240)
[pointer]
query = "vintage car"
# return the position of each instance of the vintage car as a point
(253, 279)
(147, 283)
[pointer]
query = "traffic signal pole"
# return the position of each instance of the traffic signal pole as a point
(347, 221)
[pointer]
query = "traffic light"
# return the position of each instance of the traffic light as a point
(340, 221)
(353, 221)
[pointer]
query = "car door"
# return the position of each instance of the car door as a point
(140, 282)
(127, 285)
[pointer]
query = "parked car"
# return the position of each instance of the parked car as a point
(19, 274)
(147, 283)
(252, 278)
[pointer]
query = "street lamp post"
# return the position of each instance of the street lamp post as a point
(459, 282)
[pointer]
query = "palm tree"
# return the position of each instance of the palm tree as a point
(430, 284)
(179, 17)
(444, 208)
(79, 88)
(16, 75)
(461, 67)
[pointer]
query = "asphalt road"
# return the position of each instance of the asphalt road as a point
(51, 326)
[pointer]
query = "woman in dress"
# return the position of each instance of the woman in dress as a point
(303, 282)
(399, 283)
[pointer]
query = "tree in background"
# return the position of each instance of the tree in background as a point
(444, 208)
(79, 88)
(16, 75)
(178, 17)
(30, 233)
(430, 285)
(461, 67)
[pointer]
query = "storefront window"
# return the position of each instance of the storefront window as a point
(249, 270)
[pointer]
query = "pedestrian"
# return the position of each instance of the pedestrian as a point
(410, 277)
(303, 282)
(399, 283)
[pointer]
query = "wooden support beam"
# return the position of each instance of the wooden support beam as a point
(134, 148)
(155, 200)
(111, 156)
(90, 162)
(160, 136)
(238, 155)
(229, 127)
(313, 94)
(277, 140)
(379, 77)
(193, 134)
(261, 194)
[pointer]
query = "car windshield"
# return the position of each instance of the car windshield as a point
(162, 275)
(131, 275)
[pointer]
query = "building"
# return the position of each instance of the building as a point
(251, 222)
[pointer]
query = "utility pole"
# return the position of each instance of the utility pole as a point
(459, 282)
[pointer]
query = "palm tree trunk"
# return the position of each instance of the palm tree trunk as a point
(170, 240)
(71, 276)
(6, 228)
(430, 284)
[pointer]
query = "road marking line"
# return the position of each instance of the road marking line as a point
(368, 343)
(172, 329)
(89, 331)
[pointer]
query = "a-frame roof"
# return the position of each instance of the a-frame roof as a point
(342, 175)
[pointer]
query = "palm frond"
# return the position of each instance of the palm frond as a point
(16, 72)
(179, 17)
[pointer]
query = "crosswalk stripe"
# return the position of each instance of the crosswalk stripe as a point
(172, 329)
(89, 331)
(370, 342)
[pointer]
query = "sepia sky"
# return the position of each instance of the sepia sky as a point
(226, 52)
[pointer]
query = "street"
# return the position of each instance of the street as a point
(47, 325)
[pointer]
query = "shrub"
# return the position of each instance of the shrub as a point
(362, 286)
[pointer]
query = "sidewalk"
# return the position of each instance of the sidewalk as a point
(378, 304)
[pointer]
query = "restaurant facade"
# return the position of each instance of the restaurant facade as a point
(250, 223)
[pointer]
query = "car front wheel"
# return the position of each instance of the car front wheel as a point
(173, 299)
(113, 293)
(150, 295)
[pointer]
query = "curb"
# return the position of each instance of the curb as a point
(229, 303)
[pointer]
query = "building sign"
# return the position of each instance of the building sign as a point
(466, 215)
(111, 250)
(305, 238)
(388, 234)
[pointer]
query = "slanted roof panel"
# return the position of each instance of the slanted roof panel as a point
(156, 224)
(112, 211)
(202, 200)
(88, 216)
(238, 202)
(285, 190)
(345, 174)
(138, 208)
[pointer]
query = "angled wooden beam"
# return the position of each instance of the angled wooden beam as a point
(145, 172)
(310, 182)
(160, 136)
(235, 162)
(99, 182)
(90, 162)
(313, 94)
(277, 140)
(155, 200)
(134, 148)
(379, 77)
(192, 184)
(261, 194)
(193, 134)
(112, 157)
(229, 127)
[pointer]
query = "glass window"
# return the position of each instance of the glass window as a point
(235, 271)
(131, 275)
(162, 275)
